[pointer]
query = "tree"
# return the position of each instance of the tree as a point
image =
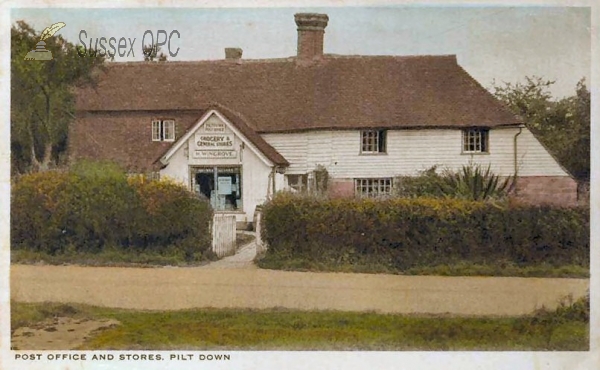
(42, 98)
(563, 126)
(150, 53)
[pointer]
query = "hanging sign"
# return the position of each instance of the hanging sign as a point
(224, 185)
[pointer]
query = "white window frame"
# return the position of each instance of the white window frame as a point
(373, 141)
(300, 184)
(167, 125)
(156, 130)
(373, 187)
(476, 140)
(163, 130)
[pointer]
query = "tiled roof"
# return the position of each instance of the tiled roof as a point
(240, 123)
(284, 95)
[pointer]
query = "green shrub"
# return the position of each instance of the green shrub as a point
(96, 206)
(402, 233)
(428, 183)
(174, 215)
(473, 182)
(470, 182)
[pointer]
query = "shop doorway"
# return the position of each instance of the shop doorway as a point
(222, 186)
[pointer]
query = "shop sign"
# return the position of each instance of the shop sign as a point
(214, 154)
(214, 142)
(214, 127)
(224, 185)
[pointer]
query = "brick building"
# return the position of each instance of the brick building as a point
(237, 130)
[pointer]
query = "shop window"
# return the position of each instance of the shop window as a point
(163, 130)
(222, 186)
(373, 141)
(475, 140)
(297, 183)
(373, 188)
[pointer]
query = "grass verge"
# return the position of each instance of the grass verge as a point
(459, 269)
(117, 257)
(566, 329)
(113, 258)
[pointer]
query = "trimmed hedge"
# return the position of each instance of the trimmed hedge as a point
(96, 206)
(402, 233)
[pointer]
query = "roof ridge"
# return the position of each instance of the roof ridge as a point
(276, 60)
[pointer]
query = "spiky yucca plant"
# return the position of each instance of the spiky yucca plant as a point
(475, 183)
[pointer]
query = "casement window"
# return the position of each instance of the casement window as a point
(373, 141)
(476, 140)
(297, 183)
(163, 130)
(373, 188)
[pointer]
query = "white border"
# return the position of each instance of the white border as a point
(308, 360)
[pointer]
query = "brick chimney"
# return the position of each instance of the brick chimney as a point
(233, 53)
(311, 28)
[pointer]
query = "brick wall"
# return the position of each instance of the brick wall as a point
(310, 44)
(124, 137)
(339, 188)
(555, 190)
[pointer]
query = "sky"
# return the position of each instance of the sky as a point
(502, 44)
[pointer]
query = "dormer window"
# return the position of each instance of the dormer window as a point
(373, 141)
(476, 140)
(163, 130)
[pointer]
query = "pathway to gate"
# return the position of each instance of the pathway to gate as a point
(243, 257)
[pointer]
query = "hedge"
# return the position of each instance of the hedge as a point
(97, 206)
(401, 233)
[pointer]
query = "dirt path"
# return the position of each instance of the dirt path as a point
(59, 333)
(179, 288)
(243, 258)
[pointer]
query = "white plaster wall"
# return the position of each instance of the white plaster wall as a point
(177, 169)
(255, 172)
(255, 182)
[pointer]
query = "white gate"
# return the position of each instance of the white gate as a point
(223, 235)
(261, 246)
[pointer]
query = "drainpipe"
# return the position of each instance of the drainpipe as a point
(515, 156)
(273, 175)
(271, 184)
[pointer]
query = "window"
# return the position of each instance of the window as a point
(297, 183)
(163, 130)
(373, 141)
(475, 140)
(153, 176)
(373, 188)
(221, 186)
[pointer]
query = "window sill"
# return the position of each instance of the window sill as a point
(230, 212)
(475, 153)
(372, 154)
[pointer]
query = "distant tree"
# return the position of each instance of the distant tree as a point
(42, 98)
(151, 53)
(563, 126)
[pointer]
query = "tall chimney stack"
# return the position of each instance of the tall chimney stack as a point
(311, 28)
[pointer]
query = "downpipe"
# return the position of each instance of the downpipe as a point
(516, 166)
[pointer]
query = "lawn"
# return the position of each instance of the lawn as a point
(464, 268)
(281, 329)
